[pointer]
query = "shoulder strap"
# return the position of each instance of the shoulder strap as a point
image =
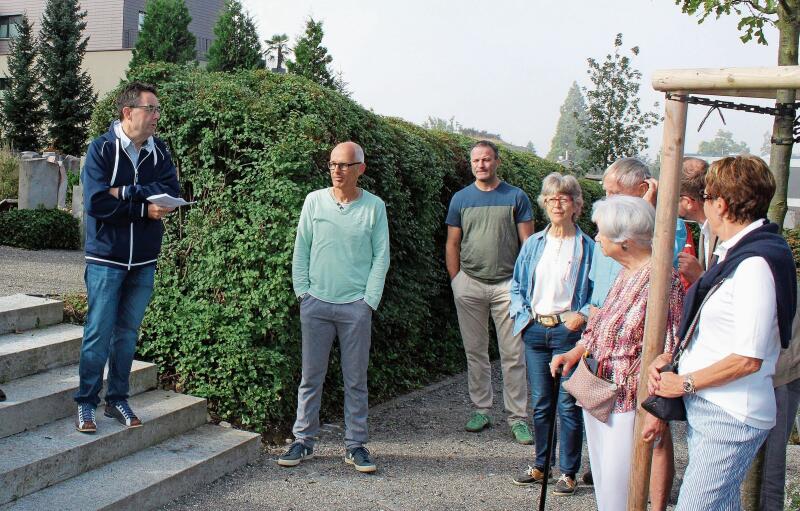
(690, 331)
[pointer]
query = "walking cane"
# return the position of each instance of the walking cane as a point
(551, 436)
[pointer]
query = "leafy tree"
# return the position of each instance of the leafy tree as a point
(754, 15)
(277, 51)
(165, 35)
(22, 109)
(476, 133)
(311, 59)
(64, 87)
(236, 45)
(722, 145)
(615, 125)
(437, 123)
(530, 147)
(565, 142)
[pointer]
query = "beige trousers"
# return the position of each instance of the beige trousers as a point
(474, 302)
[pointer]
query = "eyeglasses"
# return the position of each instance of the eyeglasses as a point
(344, 166)
(150, 109)
(707, 197)
(552, 201)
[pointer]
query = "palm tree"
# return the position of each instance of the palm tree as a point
(277, 50)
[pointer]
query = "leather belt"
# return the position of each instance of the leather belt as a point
(548, 320)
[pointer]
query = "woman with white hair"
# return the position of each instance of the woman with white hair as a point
(550, 291)
(614, 337)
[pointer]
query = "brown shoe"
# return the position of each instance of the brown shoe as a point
(565, 485)
(85, 422)
(530, 477)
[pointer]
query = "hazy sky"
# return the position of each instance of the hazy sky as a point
(505, 66)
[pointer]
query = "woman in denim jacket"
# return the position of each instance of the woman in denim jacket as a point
(550, 293)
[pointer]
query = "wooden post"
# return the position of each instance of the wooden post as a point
(658, 299)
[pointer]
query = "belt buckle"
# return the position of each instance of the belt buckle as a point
(548, 321)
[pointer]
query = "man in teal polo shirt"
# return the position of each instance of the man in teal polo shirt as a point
(487, 223)
(341, 256)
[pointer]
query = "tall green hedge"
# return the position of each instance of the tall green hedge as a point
(249, 147)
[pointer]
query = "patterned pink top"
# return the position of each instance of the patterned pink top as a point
(614, 335)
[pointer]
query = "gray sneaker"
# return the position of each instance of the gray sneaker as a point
(296, 453)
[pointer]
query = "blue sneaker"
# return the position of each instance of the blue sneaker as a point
(296, 453)
(121, 411)
(360, 459)
(86, 422)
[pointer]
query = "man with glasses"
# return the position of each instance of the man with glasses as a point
(487, 223)
(341, 256)
(124, 167)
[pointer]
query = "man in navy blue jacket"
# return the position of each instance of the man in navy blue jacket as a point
(123, 168)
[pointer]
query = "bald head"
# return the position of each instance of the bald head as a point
(350, 151)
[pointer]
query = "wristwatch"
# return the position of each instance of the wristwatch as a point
(688, 385)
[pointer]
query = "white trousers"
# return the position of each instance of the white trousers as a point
(610, 448)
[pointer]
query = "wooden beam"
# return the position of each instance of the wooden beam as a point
(660, 282)
(727, 78)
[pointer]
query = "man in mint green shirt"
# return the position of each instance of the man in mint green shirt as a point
(341, 256)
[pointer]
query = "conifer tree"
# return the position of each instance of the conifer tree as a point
(565, 142)
(65, 89)
(21, 108)
(236, 44)
(165, 35)
(311, 59)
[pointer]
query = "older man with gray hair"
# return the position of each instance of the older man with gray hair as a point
(341, 256)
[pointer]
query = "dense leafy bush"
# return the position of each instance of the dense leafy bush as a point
(9, 174)
(37, 229)
(793, 238)
(249, 147)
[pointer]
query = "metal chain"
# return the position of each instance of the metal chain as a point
(780, 109)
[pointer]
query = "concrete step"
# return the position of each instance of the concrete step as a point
(37, 350)
(150, 478)
(47, 396)
(55, 452)
(23, 312)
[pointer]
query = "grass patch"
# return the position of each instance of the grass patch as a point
(75, 308)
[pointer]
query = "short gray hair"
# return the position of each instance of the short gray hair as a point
(625, 218)
(628, 172)
(555, 184)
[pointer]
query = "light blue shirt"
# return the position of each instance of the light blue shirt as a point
(604, 270)
(129, 147)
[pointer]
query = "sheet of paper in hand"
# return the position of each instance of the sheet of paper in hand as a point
(166, 200)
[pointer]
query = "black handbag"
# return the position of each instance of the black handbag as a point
(666, 408)
(672, 408)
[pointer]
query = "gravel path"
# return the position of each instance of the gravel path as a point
(426, 461)
(40, 272)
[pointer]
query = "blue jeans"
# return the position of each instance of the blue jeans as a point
(117, 301)
(541, 344)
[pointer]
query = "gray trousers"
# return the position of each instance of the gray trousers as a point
(787, 398)
(320, 323)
